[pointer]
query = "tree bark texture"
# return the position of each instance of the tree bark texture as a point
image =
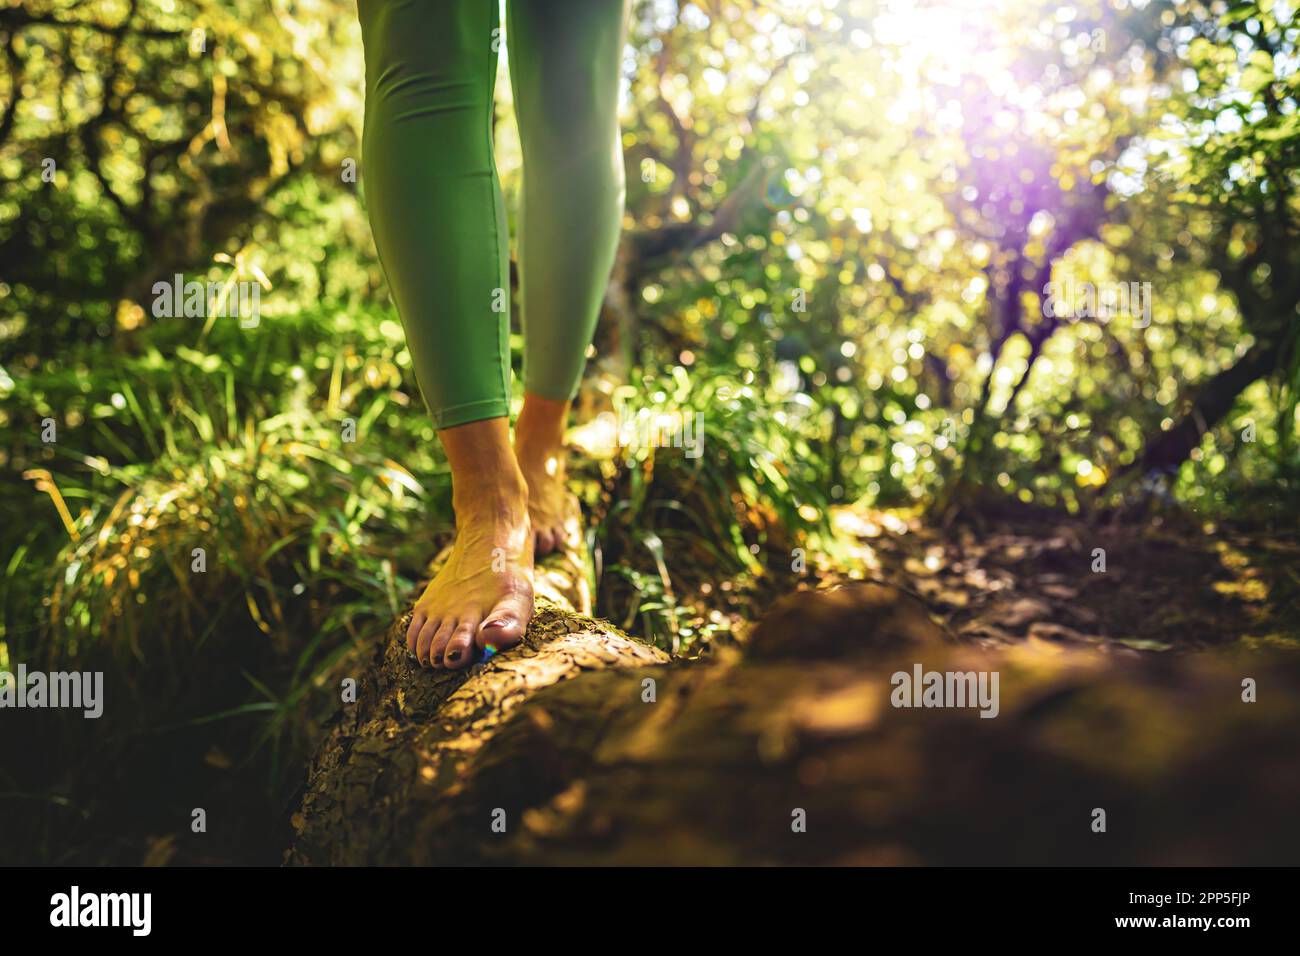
(792, 752)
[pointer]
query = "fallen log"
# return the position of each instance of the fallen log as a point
(585, 746)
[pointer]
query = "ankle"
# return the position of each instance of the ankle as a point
(503, 495)
(538, 460)
(539, 432)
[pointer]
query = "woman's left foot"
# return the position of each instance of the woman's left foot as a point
(553, 510)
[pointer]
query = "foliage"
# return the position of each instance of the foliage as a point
(842, 222)
(733, 502)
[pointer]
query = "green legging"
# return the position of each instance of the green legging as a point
(435, 201)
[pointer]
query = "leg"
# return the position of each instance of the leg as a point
(565, 75)
(436, 212)
(434, 199)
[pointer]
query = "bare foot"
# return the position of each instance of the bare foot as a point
(482, 599)
(554, 511)
(539, 448)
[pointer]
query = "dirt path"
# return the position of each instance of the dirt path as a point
(1024, 574)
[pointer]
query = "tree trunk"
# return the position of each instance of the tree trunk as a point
(1166, 451)
(559, 753)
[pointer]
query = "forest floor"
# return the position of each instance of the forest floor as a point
(1022, 574)
(1006, 573)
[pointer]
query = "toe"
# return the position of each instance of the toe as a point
(440, 641)
(506, 625)
(413, 630)
(425, 638)
(460, 649)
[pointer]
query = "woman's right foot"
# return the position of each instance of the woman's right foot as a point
(481, 601)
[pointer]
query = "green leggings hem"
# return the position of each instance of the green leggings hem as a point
(469, 412)
(548, 391)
